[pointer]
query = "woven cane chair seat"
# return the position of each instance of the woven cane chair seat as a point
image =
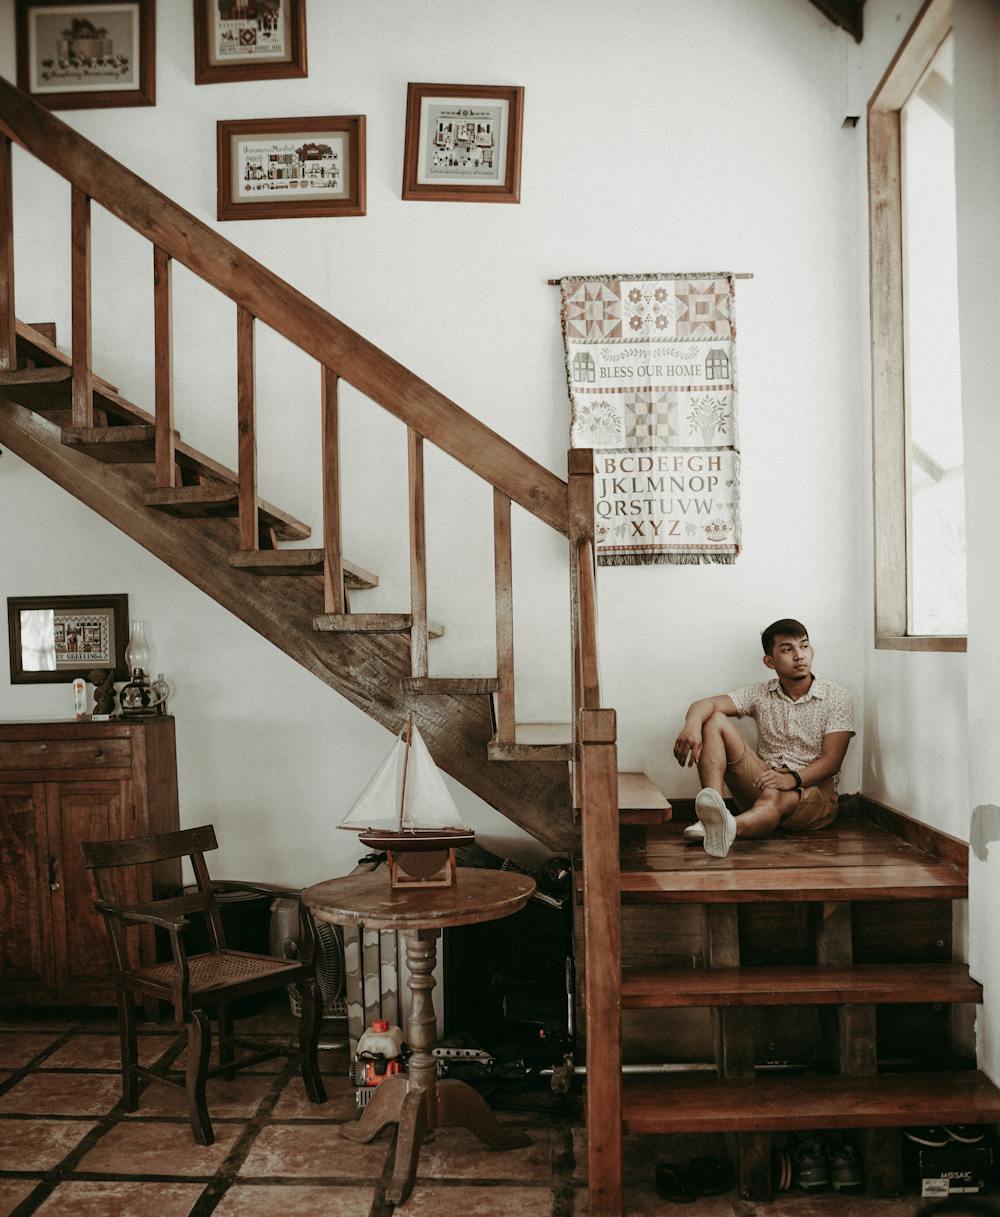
(217, 970)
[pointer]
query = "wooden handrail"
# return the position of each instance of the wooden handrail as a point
(280, 306)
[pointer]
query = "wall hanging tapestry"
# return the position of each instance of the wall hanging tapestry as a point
(651, 371)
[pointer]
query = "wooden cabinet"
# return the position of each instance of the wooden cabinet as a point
(62, 783)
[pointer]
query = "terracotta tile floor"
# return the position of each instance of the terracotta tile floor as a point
(67, 1149)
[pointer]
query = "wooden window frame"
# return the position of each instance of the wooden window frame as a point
(889, 423)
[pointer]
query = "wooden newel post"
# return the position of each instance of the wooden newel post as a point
(8, 328)
(602, 911)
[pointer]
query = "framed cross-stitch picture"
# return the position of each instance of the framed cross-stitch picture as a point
(78, 56)
(278, 168)
(249, 40)
(58, 638)
(463, 143)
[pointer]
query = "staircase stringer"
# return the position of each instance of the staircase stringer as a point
(369, 670)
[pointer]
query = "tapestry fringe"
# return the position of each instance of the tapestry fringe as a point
(666, 559)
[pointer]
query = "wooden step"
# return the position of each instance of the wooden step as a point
(10, 377)
(219, 499)
(451, 686)
(133, 444)
(534, 742)
(641, 802)
(884, 1100)
(371, 623)
(298, 562)
(46, 390)
(906, 879)
(860, 984)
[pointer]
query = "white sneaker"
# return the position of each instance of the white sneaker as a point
(719, 824)
(694, 834)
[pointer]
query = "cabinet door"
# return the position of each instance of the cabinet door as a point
(84, 811)
(26, 961)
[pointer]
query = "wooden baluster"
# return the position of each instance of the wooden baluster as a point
(247, 454)
(334, 597)
(580, 513)
(503, 575)
(166, 465)
(418, 555)
(83, 394)
(597, 731)
(8, 329)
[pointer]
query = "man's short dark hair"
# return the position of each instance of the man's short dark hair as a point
(787, 625)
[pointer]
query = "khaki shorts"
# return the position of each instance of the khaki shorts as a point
(817, 804)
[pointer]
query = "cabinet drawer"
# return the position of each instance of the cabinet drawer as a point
(65, 754)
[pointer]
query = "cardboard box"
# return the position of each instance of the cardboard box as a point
(955, 1170)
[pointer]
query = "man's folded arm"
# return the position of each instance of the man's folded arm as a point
(830, 759)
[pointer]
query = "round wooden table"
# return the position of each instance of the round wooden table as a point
(417, 1101)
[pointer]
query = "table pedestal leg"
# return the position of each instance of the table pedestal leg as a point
(460, 1106)
(418, 1103)
(413, 1127)
(385, 1107)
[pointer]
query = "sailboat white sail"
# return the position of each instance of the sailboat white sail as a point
(406, 798)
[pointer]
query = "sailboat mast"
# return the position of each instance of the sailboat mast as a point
(406, 757)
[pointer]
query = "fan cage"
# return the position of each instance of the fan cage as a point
(330, 969)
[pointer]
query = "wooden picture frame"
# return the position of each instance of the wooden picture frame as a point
(87, 55)
(280, 168)
(231, 45)
(55, 639)
(463, 143)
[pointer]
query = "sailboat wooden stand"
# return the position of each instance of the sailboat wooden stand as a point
(406, 811)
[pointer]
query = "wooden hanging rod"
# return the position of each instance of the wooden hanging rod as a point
(695, 275)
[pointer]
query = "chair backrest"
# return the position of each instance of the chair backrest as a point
(104, 857)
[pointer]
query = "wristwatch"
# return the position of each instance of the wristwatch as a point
(798, 779)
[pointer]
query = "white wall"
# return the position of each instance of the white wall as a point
(977, 157)
(657, 137)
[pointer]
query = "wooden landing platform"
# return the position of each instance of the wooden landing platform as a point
(852, 860)
(763, 1104)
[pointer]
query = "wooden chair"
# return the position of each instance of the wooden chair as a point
(193, 983)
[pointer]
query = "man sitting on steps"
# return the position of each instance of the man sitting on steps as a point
(804, 725)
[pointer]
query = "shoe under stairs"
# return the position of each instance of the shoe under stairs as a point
(832, 948)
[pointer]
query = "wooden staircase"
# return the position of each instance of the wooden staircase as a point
(871, 913)
(561, 784)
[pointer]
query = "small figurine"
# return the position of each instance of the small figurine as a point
(104, 690)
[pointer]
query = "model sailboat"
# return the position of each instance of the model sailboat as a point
(407, 811)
